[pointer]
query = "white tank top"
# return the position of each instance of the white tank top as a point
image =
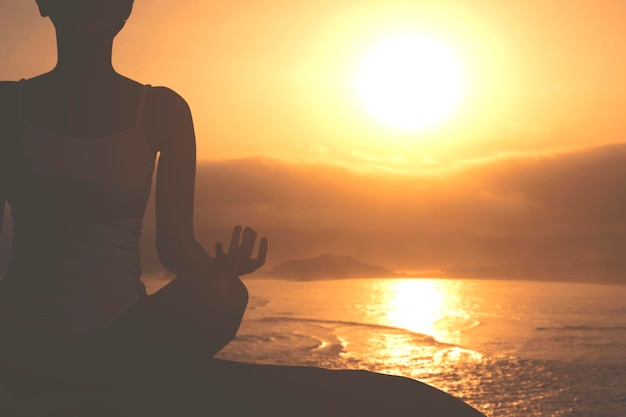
(77, 206)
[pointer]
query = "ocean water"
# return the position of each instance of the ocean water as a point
(508, 348)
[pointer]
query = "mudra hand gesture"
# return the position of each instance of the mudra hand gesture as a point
(239, 258)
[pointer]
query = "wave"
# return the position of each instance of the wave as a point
(582, 327)
(329, 348)
(423, 338)
(257, 302)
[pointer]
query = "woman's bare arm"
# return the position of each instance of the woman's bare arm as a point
(2, 200)
(8, 123)
(171, 131)
(169, 128)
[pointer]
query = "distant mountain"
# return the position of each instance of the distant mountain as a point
(588, 258)
(581, 258)
(327, 266)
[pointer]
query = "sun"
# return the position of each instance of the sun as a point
(410, 82)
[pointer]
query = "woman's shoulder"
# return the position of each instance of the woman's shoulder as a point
(8, 102)
(4, 85)
(9, 111)
(164, 99)
(167, 119)
(8, 93)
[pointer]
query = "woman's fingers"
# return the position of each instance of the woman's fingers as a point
(219, 250)
(234, 240)
(247, 242)
(260, 259)
(240, 251)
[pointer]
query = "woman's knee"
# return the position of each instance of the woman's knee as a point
(218, 301)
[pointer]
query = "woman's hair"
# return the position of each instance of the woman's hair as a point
(85, 11)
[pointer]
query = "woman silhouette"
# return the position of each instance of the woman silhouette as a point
(78, 147)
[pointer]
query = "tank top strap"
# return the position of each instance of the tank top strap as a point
(142, 103)
(20, 100)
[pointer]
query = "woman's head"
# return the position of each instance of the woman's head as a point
(87, 16)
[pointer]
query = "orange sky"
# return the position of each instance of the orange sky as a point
(274, 80)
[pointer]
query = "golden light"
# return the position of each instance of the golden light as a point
(416, 305)
(410, 82)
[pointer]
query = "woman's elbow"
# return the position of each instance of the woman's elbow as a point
(171, 257)
(181, 256)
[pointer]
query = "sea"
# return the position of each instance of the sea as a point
(508, 348)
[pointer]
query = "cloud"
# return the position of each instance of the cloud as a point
(584, 187)
(378, 160)
(565, 192)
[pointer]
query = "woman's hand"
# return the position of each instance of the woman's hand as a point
(239, 258)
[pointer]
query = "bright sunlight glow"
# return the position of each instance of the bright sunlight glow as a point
(410, 82)
(416, 305)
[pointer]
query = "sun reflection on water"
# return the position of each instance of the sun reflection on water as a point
(416, 305)
(433, 311)
(468, 338)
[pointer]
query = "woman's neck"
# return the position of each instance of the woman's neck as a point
(84, 60)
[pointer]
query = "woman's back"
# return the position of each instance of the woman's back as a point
(77, 205)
